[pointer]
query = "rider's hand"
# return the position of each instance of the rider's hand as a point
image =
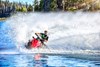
(46, 40)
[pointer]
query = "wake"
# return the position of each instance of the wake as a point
(67, 31)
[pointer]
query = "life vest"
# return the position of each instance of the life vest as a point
(44, 36)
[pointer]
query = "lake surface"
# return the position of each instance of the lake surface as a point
(39, 60)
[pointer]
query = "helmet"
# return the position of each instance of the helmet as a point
(45, 31)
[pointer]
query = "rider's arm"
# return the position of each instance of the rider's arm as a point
(37, 33)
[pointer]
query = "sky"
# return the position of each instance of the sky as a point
(22, 1)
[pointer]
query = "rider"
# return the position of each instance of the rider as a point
(43, 36)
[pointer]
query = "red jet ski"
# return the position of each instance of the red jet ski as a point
(35, 43)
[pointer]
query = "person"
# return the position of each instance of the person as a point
(28, 44)
(39, 41)
(43, 37)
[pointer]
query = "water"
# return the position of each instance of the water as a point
(44, 61)
(6, 42)
(74, 40)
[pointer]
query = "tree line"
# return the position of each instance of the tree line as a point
(66, 5)
(51, 5)
(16, 6)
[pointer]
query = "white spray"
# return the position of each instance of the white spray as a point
(67, 30)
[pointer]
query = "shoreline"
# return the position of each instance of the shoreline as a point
(3, 18)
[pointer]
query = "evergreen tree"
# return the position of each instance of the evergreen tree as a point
(53, 5)
(36, 6)
(41, 5)
(30, 8)
(26, 5)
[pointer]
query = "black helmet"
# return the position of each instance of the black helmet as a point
(45, 31)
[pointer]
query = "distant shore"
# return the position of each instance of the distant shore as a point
(2, 19)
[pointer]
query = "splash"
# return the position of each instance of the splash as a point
(67, 30)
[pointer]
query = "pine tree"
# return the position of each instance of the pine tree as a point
(41, 5)
(36, 6)
(30, 8)
(53, 5)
